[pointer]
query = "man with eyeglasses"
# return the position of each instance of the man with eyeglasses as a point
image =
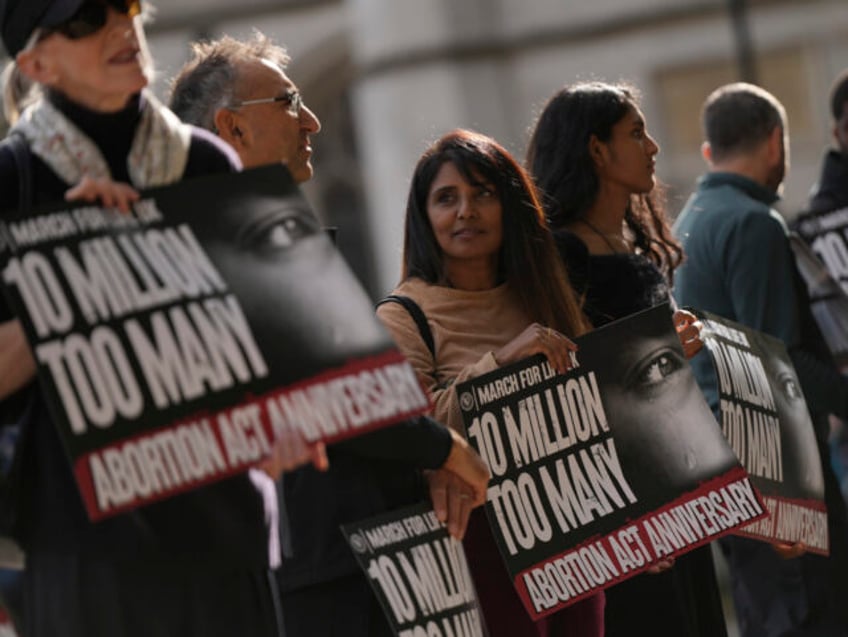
(240, 90)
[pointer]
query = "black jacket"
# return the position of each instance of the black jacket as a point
(372, 474)
(224, 523)
(831, 192)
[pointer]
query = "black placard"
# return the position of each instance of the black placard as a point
(765, 418)
(175, 342)
(602, 472)
(418, 572)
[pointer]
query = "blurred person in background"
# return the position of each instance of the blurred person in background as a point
(829, 301)
(739, 265)
(831, 191)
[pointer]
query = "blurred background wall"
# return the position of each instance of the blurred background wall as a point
(388, 76)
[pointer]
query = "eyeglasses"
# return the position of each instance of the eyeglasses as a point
(92, 16)
(293, 98)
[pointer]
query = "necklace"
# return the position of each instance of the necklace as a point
(604, 236)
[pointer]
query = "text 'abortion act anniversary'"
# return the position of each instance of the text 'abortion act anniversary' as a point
(174, 343)
(765, 419)
(601, 472)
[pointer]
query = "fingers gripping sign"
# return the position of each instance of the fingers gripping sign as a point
(111, 194)
(538, 339)
(688, 329)
(452, 498)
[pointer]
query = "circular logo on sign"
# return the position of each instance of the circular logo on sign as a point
(359, 543)
(466, 401)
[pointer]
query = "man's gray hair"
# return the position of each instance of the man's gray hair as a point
(208, 81)
(738, 117)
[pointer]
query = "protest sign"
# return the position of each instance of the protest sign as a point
(175, 342)
(418, 572)
(821, 254)
(827, 234)
(602, 472)
(7, 626)
(765, 419)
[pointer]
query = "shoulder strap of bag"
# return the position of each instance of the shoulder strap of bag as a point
(417, 315)
(15, 430)
(23, 163)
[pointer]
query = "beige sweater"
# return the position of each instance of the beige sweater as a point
(467, 327)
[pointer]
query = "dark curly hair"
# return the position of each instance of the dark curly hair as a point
(558, 159)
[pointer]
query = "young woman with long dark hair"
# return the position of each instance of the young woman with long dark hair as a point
(594, 163)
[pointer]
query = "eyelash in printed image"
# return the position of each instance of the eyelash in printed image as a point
(278, 230)
(789, 384)
(658, 367)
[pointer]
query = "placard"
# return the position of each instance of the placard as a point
(601, 472)
(765, 419)
(174, 343)
(419, 573)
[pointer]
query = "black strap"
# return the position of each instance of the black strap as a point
(15, 427)
(21, 154)
(417, 315)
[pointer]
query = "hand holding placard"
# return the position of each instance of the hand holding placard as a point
(291, 450)
(538, 339)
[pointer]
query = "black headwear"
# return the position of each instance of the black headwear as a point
(19, 18)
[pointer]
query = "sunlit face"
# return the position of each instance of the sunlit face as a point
(466, 219)
(277, 132)
(100, 71)
(629, 156)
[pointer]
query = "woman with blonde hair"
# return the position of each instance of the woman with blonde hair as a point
(195, 564)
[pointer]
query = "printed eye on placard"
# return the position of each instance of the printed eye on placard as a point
(602, 472)
(159, 329)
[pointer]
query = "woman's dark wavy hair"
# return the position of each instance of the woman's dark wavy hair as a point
(559, 160)
(529, 261)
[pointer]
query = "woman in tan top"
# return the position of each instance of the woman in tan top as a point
(481, 264)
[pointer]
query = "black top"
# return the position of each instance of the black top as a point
(683, 601)
(368, 475)
(222, 524)
(611, 286)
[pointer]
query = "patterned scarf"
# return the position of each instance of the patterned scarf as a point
(158, 154)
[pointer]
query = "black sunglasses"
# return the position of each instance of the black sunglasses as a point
(92, 16)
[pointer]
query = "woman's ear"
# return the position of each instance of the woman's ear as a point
(36, 66)
(597, 151)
